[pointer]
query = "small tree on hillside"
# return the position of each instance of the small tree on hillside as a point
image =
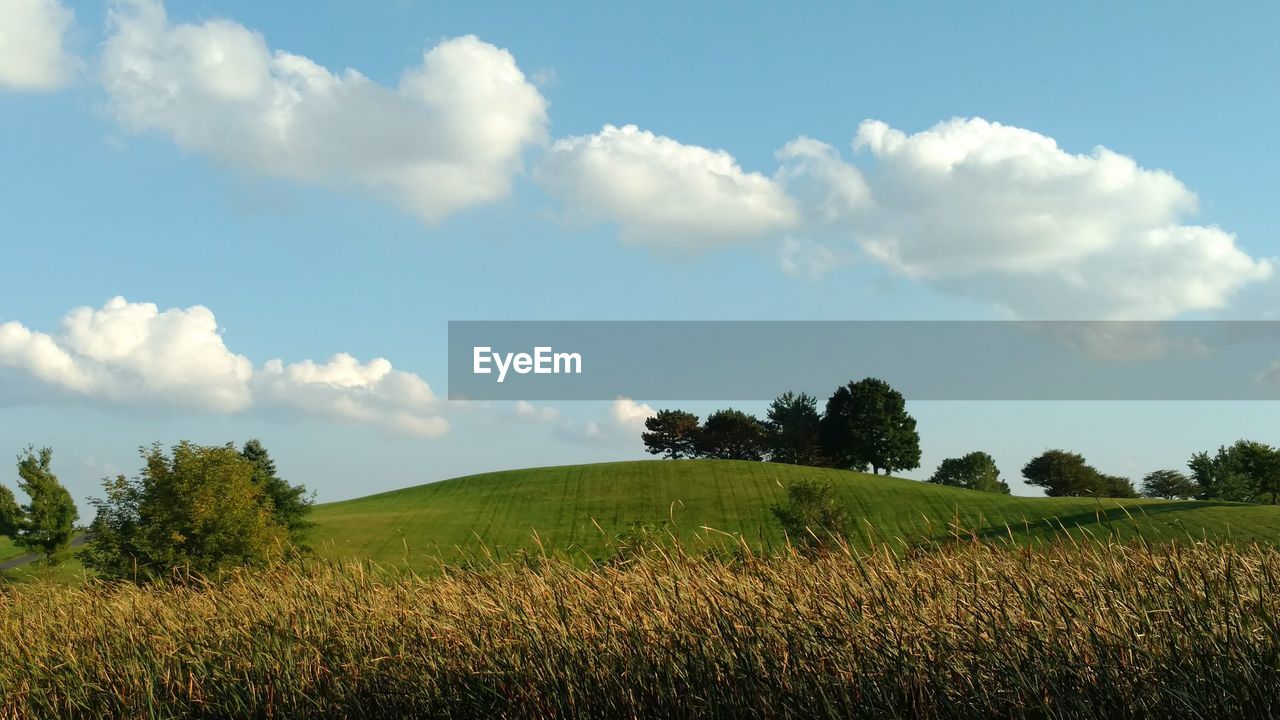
(975, 471)
(793, 430)
(196, 508)
(1116, 486)
(866, 423)
(47, 522)
(731, 435)
(813, 518)
(671, 433)
(1169, 484)
(1063, 474)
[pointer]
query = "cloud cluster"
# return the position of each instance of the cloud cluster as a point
(660, 192)
(1003, 214)
(135, 355)
(33, 54)
(448, 136)
(976, 208)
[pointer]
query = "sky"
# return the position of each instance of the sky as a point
(230, 220)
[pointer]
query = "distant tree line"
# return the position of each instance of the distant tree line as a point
(865, 425)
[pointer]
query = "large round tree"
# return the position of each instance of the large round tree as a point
(866, 424)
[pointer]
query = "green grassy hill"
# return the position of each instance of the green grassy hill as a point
(576, 509)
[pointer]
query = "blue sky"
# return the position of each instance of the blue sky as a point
(336, 230)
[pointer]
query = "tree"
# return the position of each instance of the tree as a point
(10, 513)
(866, 423)
(1169, 484)
(47, 522)
(814, 517)
(1065, 474)
(975, 471)
(197, 508)
(731, 435)
(288, 504)
(793, 430)
(1219, 478)
(671, 433)
(1116, 486)
(1246, 471)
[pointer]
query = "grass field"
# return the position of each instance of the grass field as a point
(951, 631)
(578, 509)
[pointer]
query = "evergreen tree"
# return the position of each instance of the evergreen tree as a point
(288, 504)
(793, 430)
(731, 435)
(47, 522)
(671, 433)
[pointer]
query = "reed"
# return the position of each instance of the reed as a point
(955, 630)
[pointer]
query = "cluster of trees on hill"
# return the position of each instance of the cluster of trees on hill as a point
(864, 425)
(201, 509)
(1245, 471)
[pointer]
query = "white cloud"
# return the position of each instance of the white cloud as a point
(1003, 214)
(627, 412)
(134, 355)
(33, 55)
(448, 136)
(662, 193)
(975, 208)
(345, 389)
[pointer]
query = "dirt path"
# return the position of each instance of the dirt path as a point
(29, 558)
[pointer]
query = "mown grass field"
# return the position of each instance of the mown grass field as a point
(577, 510)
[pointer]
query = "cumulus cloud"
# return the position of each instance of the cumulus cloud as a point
(345, 389)
(33, 55)
(1003, 214)
(135, 355)
(975, 208)
(627, 412)
(448, 136)
(662, 193)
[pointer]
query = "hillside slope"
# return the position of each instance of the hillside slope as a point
(578, 508)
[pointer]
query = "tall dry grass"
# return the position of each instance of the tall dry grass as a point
(970, 630)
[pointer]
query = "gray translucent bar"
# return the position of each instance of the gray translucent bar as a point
(926, 360)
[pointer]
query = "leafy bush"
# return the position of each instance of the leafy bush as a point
(198, 510)
(814, 518)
